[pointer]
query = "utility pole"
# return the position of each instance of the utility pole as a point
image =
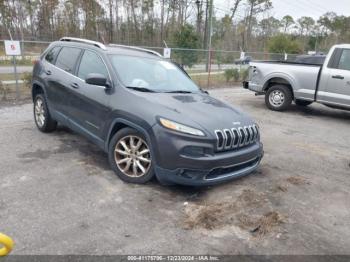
(210, 26)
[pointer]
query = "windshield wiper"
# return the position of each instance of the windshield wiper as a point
(179, 91)
(141, 89)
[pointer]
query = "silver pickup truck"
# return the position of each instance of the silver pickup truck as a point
(284, 82)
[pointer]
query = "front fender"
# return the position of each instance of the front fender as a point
(134, 122)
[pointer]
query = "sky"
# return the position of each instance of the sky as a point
(295, 8)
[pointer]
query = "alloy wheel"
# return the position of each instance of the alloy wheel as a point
(39, 112)
(132, 156)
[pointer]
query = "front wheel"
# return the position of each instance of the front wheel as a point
(302, 102)
(130, 156)
(278, 98)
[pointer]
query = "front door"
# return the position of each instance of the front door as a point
(89, 106)
(338, 87)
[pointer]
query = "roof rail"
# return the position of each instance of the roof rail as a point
(137, 48)
(85, 41)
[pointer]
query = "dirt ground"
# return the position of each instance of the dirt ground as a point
(59, 196)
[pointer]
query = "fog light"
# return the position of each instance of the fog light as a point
(195, 151)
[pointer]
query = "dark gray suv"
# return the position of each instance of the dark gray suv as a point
(145, 112)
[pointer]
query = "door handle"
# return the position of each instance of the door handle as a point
(74, 85)
(338, 77)
(48, 72)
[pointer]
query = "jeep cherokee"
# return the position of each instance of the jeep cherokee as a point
(145, 112)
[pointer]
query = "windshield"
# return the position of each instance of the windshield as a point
(153, 74)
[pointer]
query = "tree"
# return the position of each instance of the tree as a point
(186, 37)
(305, 24)
(256, 7)
(283, 44)
(286, 22)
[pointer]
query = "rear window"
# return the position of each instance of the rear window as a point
(67, 58)
(52, 54)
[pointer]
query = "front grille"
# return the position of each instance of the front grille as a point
(228, 139)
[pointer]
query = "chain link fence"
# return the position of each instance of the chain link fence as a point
(225, 68)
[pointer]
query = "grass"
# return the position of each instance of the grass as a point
(8, 92)
(216, 80)
(5, 77)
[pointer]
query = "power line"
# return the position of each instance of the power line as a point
(294, 4)
(312, 6)
(226, 12)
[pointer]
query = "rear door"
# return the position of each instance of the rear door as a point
(89, 105)
(337, 90)
(62, 74)
(50, 79)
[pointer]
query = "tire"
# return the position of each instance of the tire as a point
(42, 117)
(128, 160)
(302, 102)
(278, 98)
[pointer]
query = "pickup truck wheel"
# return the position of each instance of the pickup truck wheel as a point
(278, 98)
(302, 102)
(42, 117)
(130, 156)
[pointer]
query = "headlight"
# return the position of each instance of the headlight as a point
(180, 128)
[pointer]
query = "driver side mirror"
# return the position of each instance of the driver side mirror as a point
(97, 79)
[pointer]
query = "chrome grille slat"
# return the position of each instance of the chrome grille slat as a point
(242, 136)
(235, 140)
(228, 136)
(220, 139)
(236, 137)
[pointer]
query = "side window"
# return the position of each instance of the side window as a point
(91, 63)
(67, 58)
(333, 62)
(344, 61)
(51, 55)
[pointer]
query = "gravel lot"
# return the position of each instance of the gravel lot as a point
(58, 195)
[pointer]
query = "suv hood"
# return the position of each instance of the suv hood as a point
(209, 113)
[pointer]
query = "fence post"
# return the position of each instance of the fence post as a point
(209, 66)
(16, 77)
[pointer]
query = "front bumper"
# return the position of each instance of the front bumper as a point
(207, 177)
(175, 167)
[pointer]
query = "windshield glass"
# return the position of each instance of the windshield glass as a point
(153, 74)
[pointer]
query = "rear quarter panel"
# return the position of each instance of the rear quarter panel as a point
(302, 78)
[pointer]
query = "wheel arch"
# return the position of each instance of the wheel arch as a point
(120, 123)
(37, 88)
(278, 80)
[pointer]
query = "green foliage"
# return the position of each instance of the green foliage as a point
(231, 73)
(228, 74)
(244, 74)
(218, 57)
(283, 43)
(186, 37)
(235, 74)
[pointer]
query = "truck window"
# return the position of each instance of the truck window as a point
(334, 61)
(344, 61)
(67, 58)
